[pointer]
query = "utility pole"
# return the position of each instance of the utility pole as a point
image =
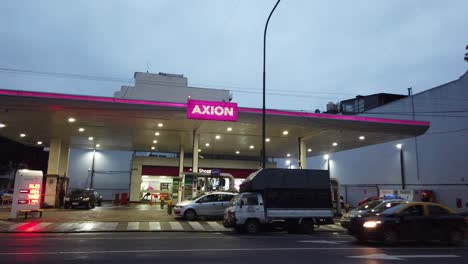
(263, 108)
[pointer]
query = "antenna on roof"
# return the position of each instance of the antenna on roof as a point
(147, 66)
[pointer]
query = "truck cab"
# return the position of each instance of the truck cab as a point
(243, 207)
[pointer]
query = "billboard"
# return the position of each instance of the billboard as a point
(209, 110)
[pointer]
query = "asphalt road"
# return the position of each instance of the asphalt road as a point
(167, 247)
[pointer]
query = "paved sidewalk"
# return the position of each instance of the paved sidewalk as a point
(80, 227)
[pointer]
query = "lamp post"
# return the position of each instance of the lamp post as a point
(263, 108)
(327, 158)
(403, 185)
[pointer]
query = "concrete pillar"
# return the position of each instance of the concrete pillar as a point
(181, 160)
(135, 182)
(196, 140)
(56, 182)
(302, 154)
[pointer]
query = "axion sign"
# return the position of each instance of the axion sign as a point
(209, 110)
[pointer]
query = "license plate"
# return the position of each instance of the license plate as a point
(75, 203)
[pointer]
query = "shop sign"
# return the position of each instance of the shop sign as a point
(209, 110)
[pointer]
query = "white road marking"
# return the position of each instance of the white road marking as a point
(216, 226)
(38, 227)
(176, 226)
(321, 241)
(401, 257)
(196, 226)
(155, 226)
(215, 249)
(133, 226)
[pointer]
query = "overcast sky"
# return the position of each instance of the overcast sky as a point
(317, 51)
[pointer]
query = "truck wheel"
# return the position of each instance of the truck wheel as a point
(252, 226)
(308, 227)
(190, 215)
(455, 238)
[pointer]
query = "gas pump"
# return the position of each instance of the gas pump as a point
(198, 183)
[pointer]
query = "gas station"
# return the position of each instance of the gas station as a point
(205, 136)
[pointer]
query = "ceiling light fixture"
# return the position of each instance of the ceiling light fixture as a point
(326, 157)
(362, 137)
(39, 142)
(267, 139)
(229, 129)
(22, 135)
(288, 155)
(90, 138)
(285, 132)
(207, 144)
(237, 152)
(81, 129)
(156, 134)
(98, 145)
(252, 147)
(218, 137)
(335, 144)
(155, 141)
(199, 150)
(153, 147)
(71, 119)
(160, 125)
(309, 150)
(2, 125)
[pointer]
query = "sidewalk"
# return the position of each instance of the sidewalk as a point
(109, 218)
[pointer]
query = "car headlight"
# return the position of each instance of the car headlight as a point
(86, 199)
(178, 207)
(67, 199)
(371, 224)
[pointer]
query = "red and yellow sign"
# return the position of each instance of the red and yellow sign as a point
(34, 193)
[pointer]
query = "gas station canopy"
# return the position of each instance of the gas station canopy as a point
(139, 125)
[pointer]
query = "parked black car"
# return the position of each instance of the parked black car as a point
(418, 221)
(88, 198)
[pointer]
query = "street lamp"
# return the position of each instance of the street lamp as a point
(327, 158)
(263, 108)
(400, 147)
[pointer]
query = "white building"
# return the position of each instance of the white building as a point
(436, 160)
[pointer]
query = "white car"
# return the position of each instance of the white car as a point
(211, 204)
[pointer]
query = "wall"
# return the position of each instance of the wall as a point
(149, 86)
(138, 162)
(440, 163)
(112, 171)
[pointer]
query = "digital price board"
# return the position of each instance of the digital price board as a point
(27, 192)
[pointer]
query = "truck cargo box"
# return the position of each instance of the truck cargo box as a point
(286, 188)
(286, 179)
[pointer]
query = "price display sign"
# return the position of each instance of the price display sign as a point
(27, 192)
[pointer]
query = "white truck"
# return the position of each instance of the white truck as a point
(295, 200)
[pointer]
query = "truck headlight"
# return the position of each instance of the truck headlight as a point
(371, 224)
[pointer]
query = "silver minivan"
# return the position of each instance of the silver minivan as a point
(211, 204)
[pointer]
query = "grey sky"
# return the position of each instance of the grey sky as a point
(342, 47)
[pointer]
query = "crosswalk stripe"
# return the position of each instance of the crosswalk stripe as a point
(65, 227)
(38, 227)
(105, 226)
(196, 226)
(13, 227)
(155, 226)
(133, 226)
(176, 226)
(216, 226)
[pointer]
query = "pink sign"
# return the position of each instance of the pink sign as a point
(209, 110)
